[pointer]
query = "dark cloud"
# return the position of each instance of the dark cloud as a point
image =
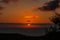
(1, 13)
(52, 5)
(7, 1)
(1, 8)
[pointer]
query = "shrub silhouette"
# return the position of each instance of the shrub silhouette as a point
(52, 6)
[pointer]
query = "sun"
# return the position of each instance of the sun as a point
(28, 24)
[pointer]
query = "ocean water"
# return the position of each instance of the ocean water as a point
(32, 30)
(17, 25)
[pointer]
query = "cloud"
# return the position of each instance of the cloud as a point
(0, 13)
(52, 5)
(7, 1)
(1, 8)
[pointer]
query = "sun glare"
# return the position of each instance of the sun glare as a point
(28, 24)
(31, 17)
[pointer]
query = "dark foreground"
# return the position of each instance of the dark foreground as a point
(15, 36)
(33, 30)
(15, 32)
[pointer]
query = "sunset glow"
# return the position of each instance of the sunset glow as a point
(30, 19)
(31, 16)
(28, 24)
(24, 11)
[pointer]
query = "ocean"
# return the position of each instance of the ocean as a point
(32, 30)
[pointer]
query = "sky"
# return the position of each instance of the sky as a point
(15, 12)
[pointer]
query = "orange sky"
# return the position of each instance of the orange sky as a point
(15, 13)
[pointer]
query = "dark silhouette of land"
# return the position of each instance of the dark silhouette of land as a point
(50, 36)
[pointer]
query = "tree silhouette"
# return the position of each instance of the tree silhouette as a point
(51, 6)
(56, 18)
